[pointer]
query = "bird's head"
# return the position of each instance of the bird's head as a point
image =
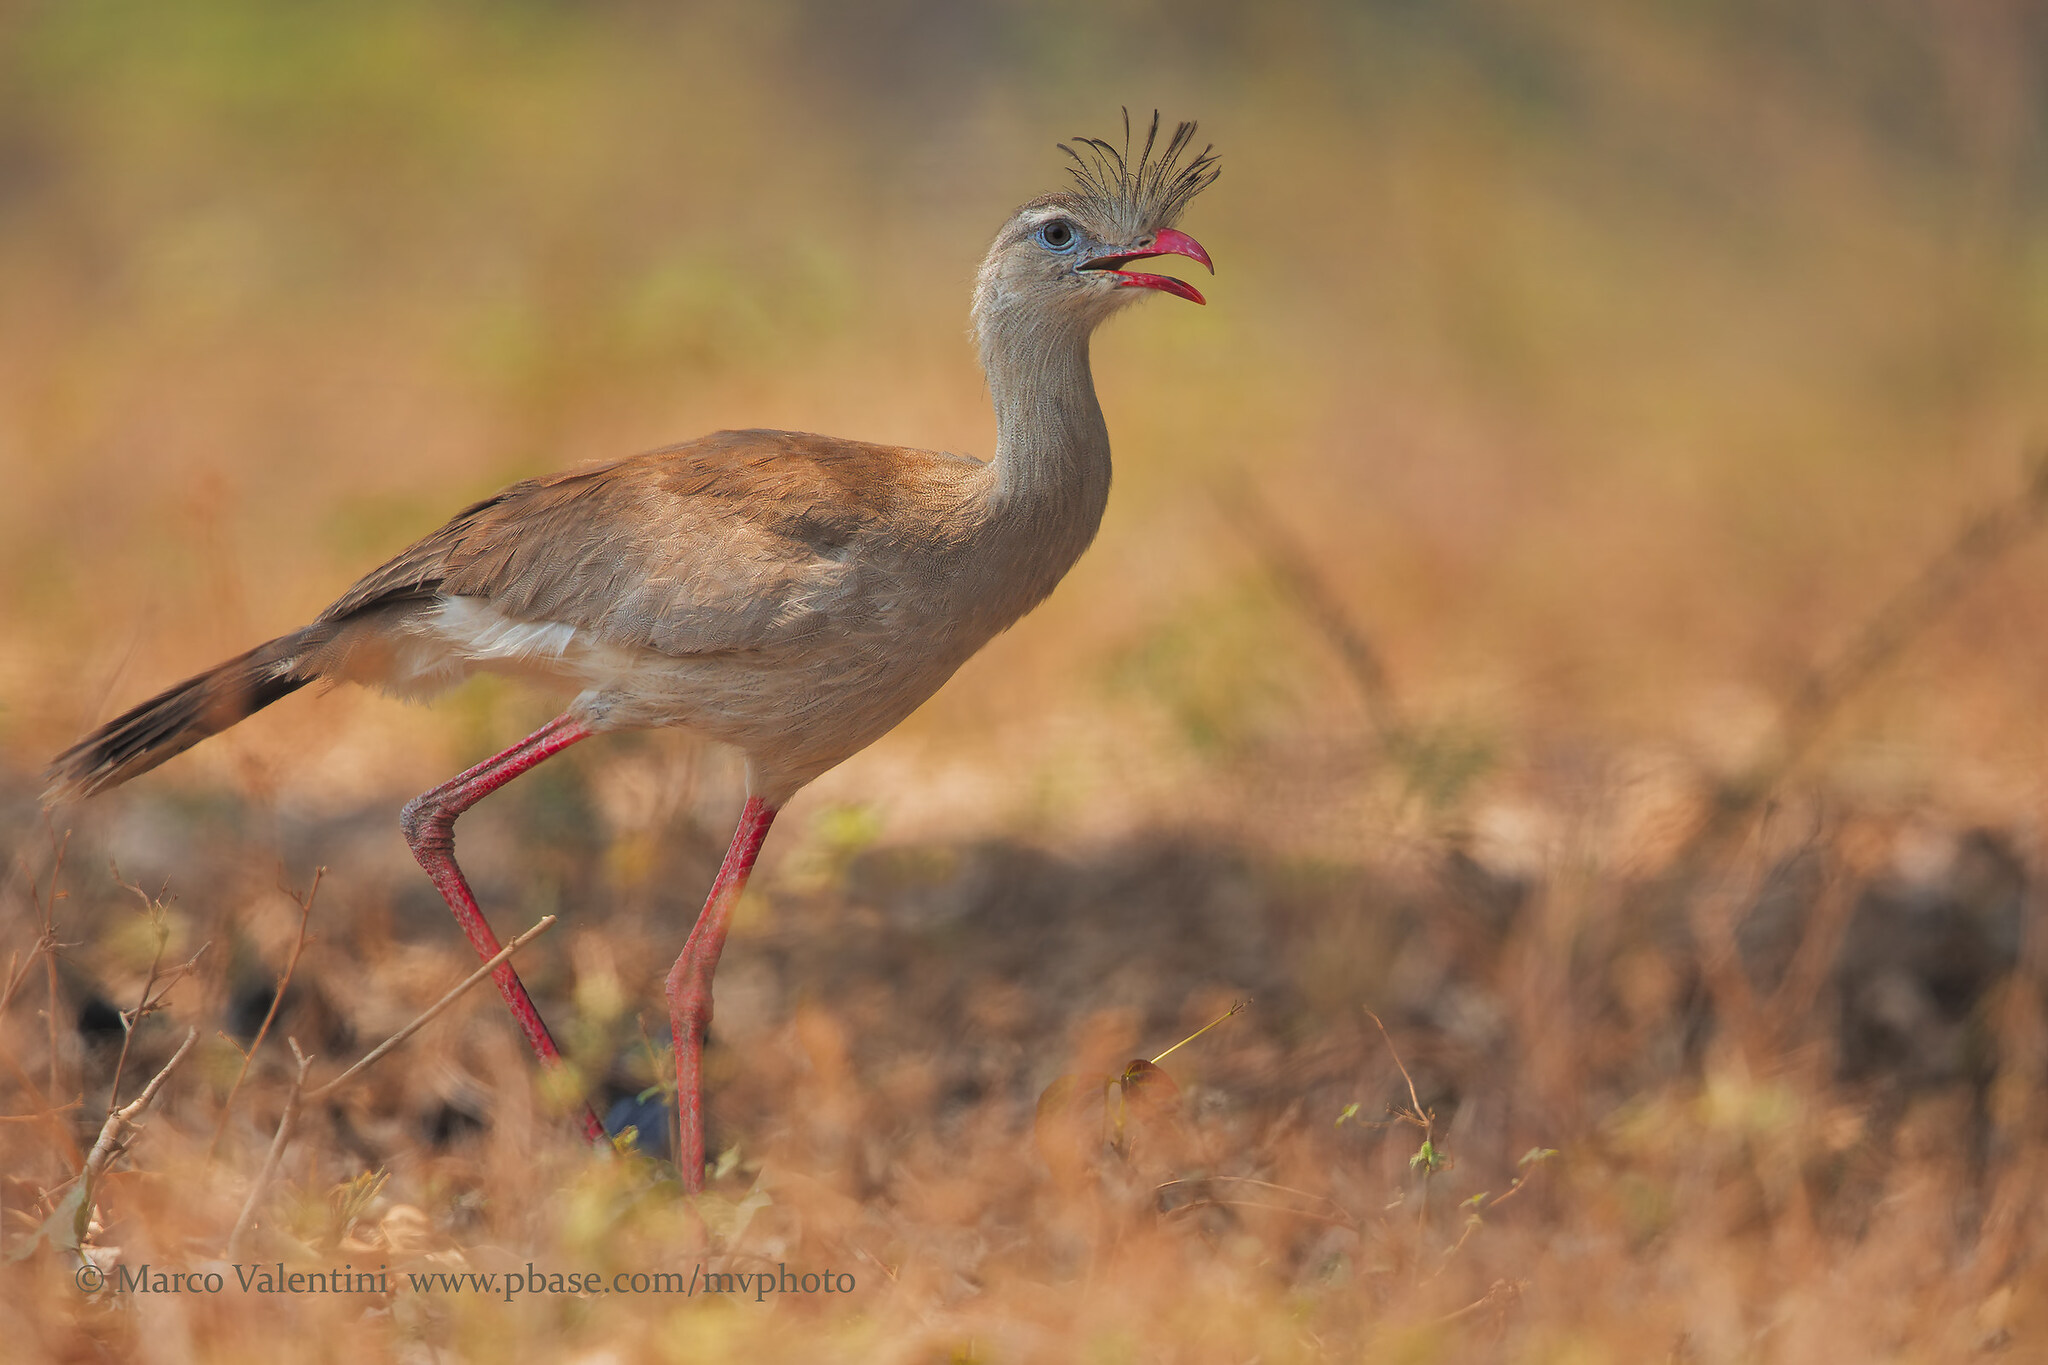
(1061, 258)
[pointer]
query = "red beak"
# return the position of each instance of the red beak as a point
(1165, 242)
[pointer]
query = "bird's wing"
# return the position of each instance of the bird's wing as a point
(737, 541)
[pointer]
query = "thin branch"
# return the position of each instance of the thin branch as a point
(284, 982)
(44, 1115)
(1481, 1205)
(122, 1119)
(1498, 1297)
(60, 1132)
(1180, 1210)
(128, 1023)
(1296, 571)
(1420, 1119)
(20, 967)
(1338, 1216)
(153, 907)
(1427, 1156)
(1521, 1183)
(1472, 1225)
(503, 956)
(48, 911)
(1806, 976)
(1245, 1180)
(273, 1159)
(1982, 542)
(1234, 1010)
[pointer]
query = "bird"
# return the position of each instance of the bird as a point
(791, 595)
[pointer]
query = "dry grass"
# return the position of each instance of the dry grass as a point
(1600, 377)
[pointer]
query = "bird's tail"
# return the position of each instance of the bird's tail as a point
(178, 718)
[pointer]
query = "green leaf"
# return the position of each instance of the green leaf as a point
(63, 1229)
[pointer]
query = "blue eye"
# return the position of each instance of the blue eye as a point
(1058, 235)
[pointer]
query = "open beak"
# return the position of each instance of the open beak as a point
(1165, 242)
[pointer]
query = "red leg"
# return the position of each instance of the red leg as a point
(689, 986)
(429, 825)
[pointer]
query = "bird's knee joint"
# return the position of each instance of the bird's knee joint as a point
(424, 826)
(680, 996)
(688, 1001)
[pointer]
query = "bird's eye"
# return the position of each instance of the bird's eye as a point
(1058, 235)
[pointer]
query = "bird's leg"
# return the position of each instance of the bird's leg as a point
(429, 824)
(689, 986)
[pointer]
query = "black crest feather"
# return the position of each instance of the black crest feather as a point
(1150, 194)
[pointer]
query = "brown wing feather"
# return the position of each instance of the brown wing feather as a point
(725, 543)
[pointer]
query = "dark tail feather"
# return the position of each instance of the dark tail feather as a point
(175, 720)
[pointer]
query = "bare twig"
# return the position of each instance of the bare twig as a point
(273, 1159)
(14, 978)
(119, 1121)
(504, 954)
(1181, 1210)
(1427, 1156)
(1236, 1008)
(1417, 1115)
(48, 946)
(284, 982)
(1982, 542)
(44, 1115)
(1246, 1180)
(1480, 1204)
(1521, 1183)
(1298, 574)
(1818, 951)
(152, 997)
(1337, 1216)
(1499, 1297)
(59, 1131)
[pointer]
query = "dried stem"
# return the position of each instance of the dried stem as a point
(1818, 951)
(273, 1159)
(1982, 542)
(284, 982)
(1428, 1156)
(46, 947)
(48, 1109)
(49, 937)
(1337, 1216)
(43, 1116)
(503, 955)
(1416, 1114)
(1235, 1009)
(19, 967)
(1502, 1295)
(1296, 571)
(1182, 1210)
(120, 1120)
(152, 998)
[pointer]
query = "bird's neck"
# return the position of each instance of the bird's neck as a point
(1052, 449)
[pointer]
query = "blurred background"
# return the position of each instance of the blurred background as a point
(1575, 381)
